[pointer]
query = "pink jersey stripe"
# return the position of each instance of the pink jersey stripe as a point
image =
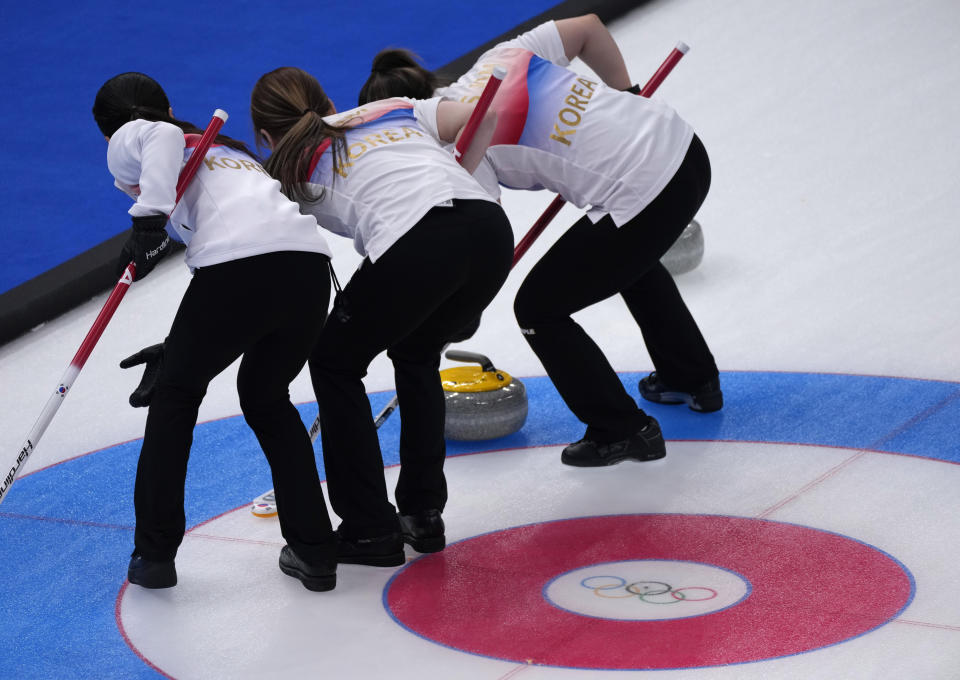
(512, 101)
(192, 140)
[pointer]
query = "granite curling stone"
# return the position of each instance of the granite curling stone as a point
(482, 402)
(686, 252)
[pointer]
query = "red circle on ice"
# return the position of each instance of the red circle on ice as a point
(486, 595)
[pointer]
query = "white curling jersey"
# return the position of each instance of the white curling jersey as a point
(562, 131)
(395, 170)
(230, 210)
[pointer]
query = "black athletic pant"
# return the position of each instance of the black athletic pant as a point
(429, 285)
(270, 309)
(592, 262)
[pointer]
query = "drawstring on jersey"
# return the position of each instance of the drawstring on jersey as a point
(340, 310)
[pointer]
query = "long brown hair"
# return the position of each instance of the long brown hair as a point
(289, 104)
(132, 95)
(398, 73)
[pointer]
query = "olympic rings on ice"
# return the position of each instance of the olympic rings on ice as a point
(646, 589)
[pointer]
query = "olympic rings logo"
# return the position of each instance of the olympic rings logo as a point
(651, 592)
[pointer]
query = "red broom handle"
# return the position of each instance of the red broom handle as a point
(196, 158)
(466, 137)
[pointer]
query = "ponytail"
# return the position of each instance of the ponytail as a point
(398, 73)
(289, 104)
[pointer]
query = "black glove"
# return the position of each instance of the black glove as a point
(152, 356)
(147, 244)
(633, 89)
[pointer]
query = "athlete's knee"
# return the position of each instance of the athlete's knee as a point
(179, 394)
(262, 404)
(530, 308)
(333, 386)
(413, 357)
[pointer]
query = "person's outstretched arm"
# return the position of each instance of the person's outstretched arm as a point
(452, 118)
(588, 38)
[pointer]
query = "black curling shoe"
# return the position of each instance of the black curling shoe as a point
(315, 577)
(706, 398)
(647, 444)
(149, 574)
(423, 531)
(379, 551)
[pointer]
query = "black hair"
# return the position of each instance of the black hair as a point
(398, 73)
(131, 96)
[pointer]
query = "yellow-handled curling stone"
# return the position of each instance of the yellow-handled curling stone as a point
(686, 252)
(482, 401)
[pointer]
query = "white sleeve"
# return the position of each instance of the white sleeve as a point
(148, 155)
(325, 220)
(425, 111)
(544, 41)
(486, 176)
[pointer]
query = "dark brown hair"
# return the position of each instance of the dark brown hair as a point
(290, 104)
(133, 95)
(398, 73)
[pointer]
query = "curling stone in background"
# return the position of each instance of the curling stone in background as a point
(482, 402)
(686, 252)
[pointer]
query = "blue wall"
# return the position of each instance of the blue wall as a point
(56, 197)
